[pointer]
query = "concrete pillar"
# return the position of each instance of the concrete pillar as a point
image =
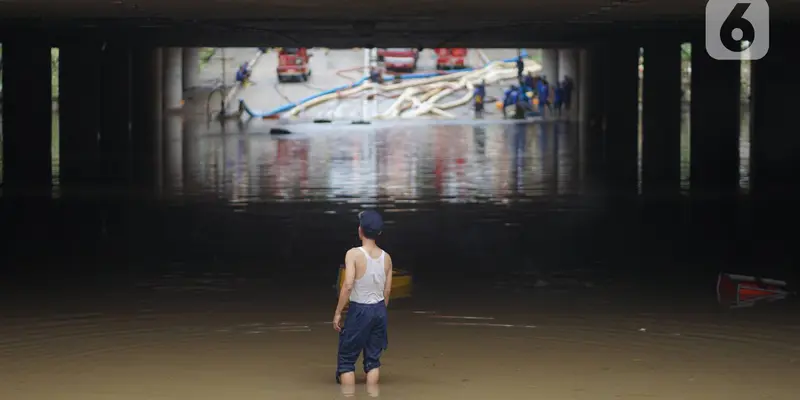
(774, 160)
(775, 146)
(661, 118)
(27, 114)
(568, 61)
(191, 154)
(79, 100)
(581, 85)
(191, 68)
(550, 64)
(145, 135)
(593, 106)
(115, 117)
(173, 154)
(622, 117)
(158, 112)
(173, 80)
(158, 85)
(714, 125)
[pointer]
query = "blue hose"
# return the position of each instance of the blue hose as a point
(286, 107)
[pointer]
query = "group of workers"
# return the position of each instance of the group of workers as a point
(521, 96)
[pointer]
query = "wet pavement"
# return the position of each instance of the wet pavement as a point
(521, 256)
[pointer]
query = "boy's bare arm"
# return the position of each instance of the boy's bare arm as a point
(349, 278)
(387, 287)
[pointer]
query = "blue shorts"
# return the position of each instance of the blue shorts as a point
(364, 330)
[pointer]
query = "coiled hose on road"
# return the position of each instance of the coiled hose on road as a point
(436, 82)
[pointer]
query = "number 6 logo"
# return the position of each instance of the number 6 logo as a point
(737, 29)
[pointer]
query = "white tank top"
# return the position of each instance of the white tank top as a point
(369, 288)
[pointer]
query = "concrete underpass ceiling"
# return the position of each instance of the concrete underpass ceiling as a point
(336, 23)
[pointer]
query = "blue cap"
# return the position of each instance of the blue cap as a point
(370, 221)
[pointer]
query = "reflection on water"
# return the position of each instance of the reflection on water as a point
(452, 163)
(486, 194)
(245, 165)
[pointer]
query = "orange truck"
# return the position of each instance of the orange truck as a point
(451, 58)
(293, 64)
(399, 59)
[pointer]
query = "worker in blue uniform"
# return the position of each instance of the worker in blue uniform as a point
(568, 85)
(529, 83)
(558, 99)
(243, 74)
(514, 97)
(375, 75)
(479, 97)
(543, 92)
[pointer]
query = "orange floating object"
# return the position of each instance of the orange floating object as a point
(743, 291)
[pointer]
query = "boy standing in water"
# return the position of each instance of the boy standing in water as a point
(367, 286)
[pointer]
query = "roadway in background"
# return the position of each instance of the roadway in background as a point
(332, 68)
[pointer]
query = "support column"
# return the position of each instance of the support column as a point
(158, 111)
(190, 154)
(145, 116)
(27, 114)
(714, 125)
(567, 63)
(582, 102)
(173, 154)
(622, 117)
(568, 68)
(115, 118)
(191, 68)
(79, 100)
(775, 146)
(173, 80)
(582, 90)
(774, 160)
(594, 106)
(550, 65)
(661, 118)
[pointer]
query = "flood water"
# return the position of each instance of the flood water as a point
(530, 278)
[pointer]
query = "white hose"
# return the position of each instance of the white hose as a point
(424, 94)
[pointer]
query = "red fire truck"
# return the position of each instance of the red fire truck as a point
(293, 64)
(399, 59)
(451, 58)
